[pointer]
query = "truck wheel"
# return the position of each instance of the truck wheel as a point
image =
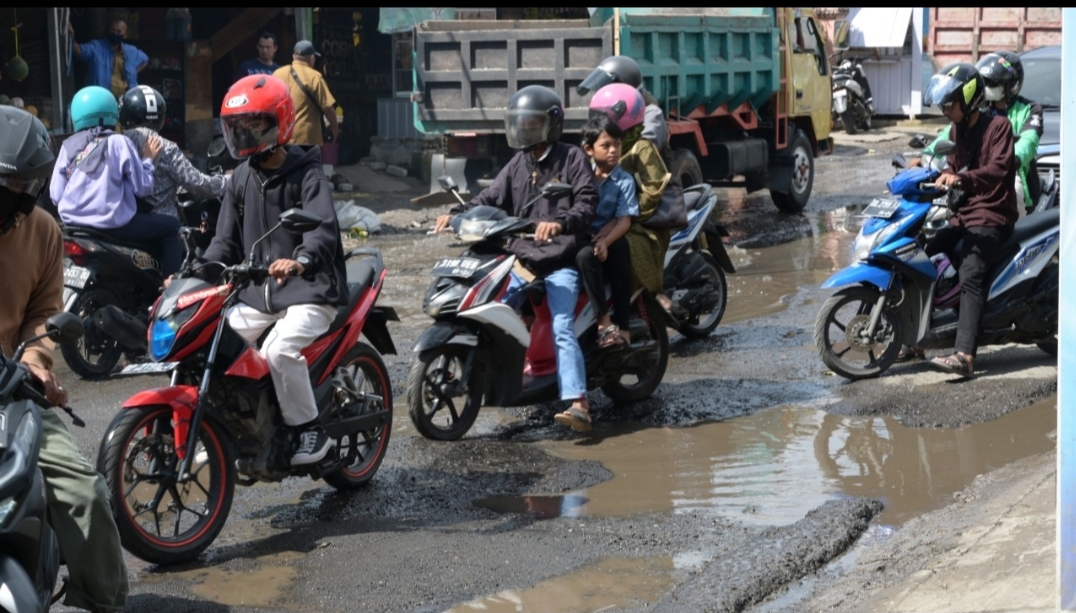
(686, 167)
(799, 188)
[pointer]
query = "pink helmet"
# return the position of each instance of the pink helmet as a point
(622, 103)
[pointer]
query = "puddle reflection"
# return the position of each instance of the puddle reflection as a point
(776, 465)
(539, 507)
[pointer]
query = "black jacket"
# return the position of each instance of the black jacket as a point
(521, 180)
(299, 182)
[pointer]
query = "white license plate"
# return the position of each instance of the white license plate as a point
(76, 276)
(150, 368)
(882, 207)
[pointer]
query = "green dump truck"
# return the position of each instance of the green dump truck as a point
(746, 91)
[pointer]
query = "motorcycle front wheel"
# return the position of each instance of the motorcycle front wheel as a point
(161, 518)
(838, 334)
(442, 405)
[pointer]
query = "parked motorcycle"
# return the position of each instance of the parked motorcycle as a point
(172, 456)
(29, 551)
(850, 104)
(113, 284)
(695, 267)
(894, 295)
(479, 351)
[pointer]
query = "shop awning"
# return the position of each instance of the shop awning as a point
(878, 27)
(403, 20)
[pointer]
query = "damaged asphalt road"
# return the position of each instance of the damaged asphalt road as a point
(523, 515)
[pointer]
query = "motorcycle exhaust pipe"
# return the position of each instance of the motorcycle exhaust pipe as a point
(129, 331)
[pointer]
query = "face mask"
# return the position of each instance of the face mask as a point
(11, 204)
(115, 39)
(993, 94)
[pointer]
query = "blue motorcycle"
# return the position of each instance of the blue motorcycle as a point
(894, 295)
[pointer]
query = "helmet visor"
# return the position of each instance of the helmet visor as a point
(249, 133)
(526, 128)
(941, 90)
(595, 81)
(21, 185)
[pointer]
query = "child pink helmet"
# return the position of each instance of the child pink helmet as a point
(622, 103)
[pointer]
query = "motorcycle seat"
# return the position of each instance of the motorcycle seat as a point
(95, 234)
(696, 194)
(364, 275)
(1032, 225)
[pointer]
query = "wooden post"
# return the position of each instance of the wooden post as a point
(616, 31)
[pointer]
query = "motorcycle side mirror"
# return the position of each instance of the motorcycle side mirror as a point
(447, 183)
(216, 148)
(918, 141)
(299, 221)
(64, 328)
(556, 191)
(944, 148)
(899, 161)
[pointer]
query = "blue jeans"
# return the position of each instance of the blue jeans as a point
(160, 229)
(562, 292)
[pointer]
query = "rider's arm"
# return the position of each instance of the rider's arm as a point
(997, 159)
(1028, 135)
(577, 219)
(318, 245)
(46, 299)
(227, 243)
(498, 194)
(58, 183)
(176, 165)
(137, 170)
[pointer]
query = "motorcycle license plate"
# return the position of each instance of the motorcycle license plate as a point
(151, 368)
(456, 267)
(882, 207)
(76, 276)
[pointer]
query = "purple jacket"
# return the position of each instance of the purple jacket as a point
(521, 180)
(104, 198)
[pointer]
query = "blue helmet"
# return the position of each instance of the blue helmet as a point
(94, 106)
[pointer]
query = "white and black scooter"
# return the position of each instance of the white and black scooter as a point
(29, 552)
(850, 104)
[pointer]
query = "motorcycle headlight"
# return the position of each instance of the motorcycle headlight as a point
(163, 331)
(865, 243)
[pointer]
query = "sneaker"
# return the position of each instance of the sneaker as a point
(314, 445)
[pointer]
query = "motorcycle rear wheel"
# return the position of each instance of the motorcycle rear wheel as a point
(80, 356)
(649, 376)
(368, 447)
(152, 508)
(836, 334)
(708, 322)
(434, 374)
(848, 120)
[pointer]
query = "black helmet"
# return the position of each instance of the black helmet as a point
(535, 116)
(1003, 75)
(613, 69)
(958, 83)
(26, 162)
(142, 107)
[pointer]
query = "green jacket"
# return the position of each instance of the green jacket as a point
(1026, 119)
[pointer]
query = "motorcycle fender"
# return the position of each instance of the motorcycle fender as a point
(445, 333)
(860, 273)
(717, 249)
(17, 593)
(182, 398)
(840, 102)
(376, 329)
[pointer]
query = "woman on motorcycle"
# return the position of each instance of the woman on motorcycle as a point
(142, 114)
(99, 174)
(642, 160)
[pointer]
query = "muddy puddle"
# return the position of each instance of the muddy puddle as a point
(774, 466)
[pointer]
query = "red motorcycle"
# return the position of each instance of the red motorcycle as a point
(172, 457)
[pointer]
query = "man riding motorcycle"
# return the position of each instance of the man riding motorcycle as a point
(1003, 76)
(31, 265)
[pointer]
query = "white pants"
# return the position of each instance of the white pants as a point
(296, 328)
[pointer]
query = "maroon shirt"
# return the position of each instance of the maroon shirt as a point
(987, 150)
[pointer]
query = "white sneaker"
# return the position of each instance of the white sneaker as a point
(314, 445)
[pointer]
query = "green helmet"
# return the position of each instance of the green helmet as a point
(94, 106)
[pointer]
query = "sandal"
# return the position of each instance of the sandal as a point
(956, 364)
(907, 354)
(576, 418)
(611, 337)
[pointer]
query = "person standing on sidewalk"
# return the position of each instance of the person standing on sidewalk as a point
(311, 96)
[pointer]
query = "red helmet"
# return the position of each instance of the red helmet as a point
(257, 115)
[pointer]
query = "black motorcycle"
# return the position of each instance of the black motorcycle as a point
(112, 284)
(851, 105)
(29, 552)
